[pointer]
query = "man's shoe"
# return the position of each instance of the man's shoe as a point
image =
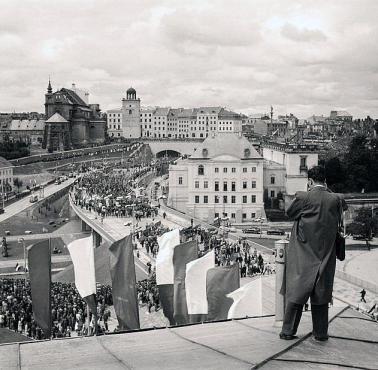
(287, 336)
(321, 339)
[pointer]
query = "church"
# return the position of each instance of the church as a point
(71, 122)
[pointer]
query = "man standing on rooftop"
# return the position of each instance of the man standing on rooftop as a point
(311, 255)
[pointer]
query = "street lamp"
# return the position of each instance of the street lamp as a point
(22, 241)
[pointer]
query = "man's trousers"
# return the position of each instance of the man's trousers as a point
(293, 314)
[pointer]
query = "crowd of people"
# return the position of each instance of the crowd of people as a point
(68, 310)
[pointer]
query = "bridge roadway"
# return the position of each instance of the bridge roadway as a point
(24, 203)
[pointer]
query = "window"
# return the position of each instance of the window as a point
(216, 215)
(253, 169)
(180, 180)
(272, 180)
(216, 186)
(253, 184)
(253, 198)
(196, 199)
(224, 169)
(244, 169)
(272, 193)
(130, 111)
(225, 214)
(224, 198)
(225, 186)
(232, 215)
(196, 184)
(253, 215)
(201, 170)
(244, 216)
(216, 199)
(216, 169)
(205, 184)
(233, 170)
(233, 186)
(244, 184)
(244, 199)
(303, 161)
(205, 199)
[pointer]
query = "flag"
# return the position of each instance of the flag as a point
(220, 282)
(182, 254)
(39, 258)
(247, 300)
(164, 271)
(82, 256)
(122, 270)
(164, 264)
(195, 286)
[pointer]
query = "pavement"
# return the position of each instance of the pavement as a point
(24, 203)
(250, 343)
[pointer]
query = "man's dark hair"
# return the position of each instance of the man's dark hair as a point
(317, 174)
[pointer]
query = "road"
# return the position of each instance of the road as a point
(24, 203)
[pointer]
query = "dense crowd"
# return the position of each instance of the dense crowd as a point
(68, 310)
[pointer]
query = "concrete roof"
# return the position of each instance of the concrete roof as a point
(226, 144)
(238, 344)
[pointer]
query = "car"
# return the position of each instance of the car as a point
(2, 211)
(251, 230)
(275, 232)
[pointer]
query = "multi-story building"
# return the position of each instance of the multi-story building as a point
(297, 159)
(187, 118)
(222, 178)
(131, 125)
(146, 121)
(114, 123)
(75, 123)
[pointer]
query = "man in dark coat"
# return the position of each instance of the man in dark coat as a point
(311, 255)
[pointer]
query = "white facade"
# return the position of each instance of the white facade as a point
(131, 126)
(297, 159)
(223, 178)
(114, 122)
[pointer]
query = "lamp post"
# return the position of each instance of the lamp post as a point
(22, 241)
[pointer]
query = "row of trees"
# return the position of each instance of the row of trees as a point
(353, 167)
(14, 149)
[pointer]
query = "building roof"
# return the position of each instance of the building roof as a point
(236, 344)
(5, 163)
(161, 111)
(229, 144)
(56, 118)
(188, 113)
(26, 124)
(73, 97)
(340, 113)
(227, 114)
(209, 110)
(131, 90)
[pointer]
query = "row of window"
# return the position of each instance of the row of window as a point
(233, 215)
(225, 185)
(201, 170)
(225, 198)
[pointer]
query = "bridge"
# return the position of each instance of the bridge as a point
(162, 147)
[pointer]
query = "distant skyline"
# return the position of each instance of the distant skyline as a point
(301, 57)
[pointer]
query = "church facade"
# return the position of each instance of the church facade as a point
(71, 122)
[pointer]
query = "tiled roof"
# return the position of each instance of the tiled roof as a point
(228, 114)
(75, 99)
(161, 111)
(25, 124)
(209, 110)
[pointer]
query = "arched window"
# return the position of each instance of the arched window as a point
(201, 170)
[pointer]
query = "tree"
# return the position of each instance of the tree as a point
(17, 183)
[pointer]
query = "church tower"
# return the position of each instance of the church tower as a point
(131, 127)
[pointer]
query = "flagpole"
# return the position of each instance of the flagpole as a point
(50, 291)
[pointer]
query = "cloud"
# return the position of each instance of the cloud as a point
(302, 35)
(302, 57)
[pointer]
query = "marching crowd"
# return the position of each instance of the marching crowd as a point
(68, 309)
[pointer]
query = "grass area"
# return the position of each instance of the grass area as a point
(16, 250)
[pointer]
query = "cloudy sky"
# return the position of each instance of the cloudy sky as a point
(305, 57)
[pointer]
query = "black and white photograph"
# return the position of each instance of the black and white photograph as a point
(188, 184)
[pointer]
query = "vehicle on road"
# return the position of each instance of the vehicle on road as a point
(57, 182)
(361, 237)
(33, 198)
(252, 230)
(2, 211)
(275, 232)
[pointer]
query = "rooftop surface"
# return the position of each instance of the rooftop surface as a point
(239, 344)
